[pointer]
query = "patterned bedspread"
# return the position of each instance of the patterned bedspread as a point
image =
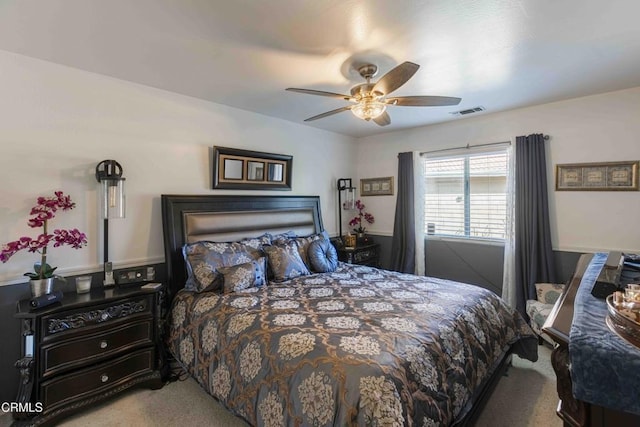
(359, 346)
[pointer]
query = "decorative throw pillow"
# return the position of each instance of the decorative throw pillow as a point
(284, 261)
(243, 276)
(204, 258)
(257, 242)
(282, 236)
(303, 245)
(548, 293)
(303, 242)
(323, 257)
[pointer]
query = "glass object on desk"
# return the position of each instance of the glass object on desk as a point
(632, 293)
(83, 284)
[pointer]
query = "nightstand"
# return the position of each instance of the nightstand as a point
(86, 348)
(365, 254)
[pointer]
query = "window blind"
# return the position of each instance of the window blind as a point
(465, 195)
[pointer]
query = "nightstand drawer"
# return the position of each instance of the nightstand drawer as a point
(69, 322)
(66, 354)
(364, 255)
(367, 254)
(98, 379)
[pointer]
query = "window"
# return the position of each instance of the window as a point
(465, 195)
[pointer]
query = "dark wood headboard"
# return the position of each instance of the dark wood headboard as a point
(190, 218)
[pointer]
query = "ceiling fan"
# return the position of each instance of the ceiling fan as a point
(370, 100)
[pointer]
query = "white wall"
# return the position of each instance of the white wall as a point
(597, 128)
(58, 123)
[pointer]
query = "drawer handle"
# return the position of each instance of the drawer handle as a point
(104, 378)
(103, 344)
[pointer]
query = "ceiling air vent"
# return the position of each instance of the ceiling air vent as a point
(468, 111)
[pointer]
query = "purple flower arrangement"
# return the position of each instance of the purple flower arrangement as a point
(360, 218)
(45, 210)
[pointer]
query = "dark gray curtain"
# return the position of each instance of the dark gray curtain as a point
(533, 252)
(403, 246)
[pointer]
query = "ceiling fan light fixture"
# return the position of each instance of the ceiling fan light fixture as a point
(370, 100)
(368, 109)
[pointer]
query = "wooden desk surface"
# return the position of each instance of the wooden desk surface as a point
(575, 412)
(558, 323)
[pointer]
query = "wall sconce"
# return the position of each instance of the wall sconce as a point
(109, 175)
(344, 184)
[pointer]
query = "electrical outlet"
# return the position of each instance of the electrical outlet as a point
(133, 275)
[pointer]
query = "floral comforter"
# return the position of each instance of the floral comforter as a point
(360, 346)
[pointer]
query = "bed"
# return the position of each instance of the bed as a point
(352, 346)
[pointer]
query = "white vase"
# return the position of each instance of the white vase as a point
(41, 286)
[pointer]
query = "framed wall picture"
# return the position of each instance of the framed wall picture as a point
(233, 168)
(607, 176)
(376, 186)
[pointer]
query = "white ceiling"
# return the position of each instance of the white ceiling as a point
(244, 53)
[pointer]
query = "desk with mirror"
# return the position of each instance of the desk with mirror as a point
(597, 384)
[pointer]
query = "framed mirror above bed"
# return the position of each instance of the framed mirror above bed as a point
(250, 170)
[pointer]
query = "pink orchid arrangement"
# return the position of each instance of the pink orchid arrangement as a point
(360, 217)
(45, 210)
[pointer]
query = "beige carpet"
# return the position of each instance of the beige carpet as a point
(525, 397)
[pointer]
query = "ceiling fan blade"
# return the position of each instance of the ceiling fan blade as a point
(383, 119)
(396, 78)
(423, 101)
(329, 113)
(320, 93)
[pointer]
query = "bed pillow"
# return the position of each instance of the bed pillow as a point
(243, 276)
(284, 260)
(257, 242)
(282, 236)
(303, 243)
(203, 259)
(548, 293)
(323, 257)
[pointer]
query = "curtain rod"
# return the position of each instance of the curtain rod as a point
(546, 138)
(466, 146)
